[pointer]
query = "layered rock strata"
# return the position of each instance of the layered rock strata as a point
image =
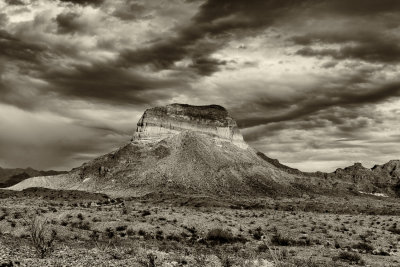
(161, 122)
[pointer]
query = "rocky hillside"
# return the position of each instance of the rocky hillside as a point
(381, 179)
(199, 149)
(9, 177)
(179, 148)
(188, 162)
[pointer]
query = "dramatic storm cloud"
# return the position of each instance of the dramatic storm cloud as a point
(313, 83)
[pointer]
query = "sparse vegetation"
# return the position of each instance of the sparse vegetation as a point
(350, 257)
(42, 237)
(187, 235)
(222, 236)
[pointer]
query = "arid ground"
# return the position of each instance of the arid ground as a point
(85, 229)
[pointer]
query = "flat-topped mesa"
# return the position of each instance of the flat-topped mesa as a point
(161, 122)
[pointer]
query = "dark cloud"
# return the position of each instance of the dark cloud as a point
(15, 2)
(347, 123)
(15, 49)
(209, 29)
(322, 98)
(355, 38)
(104, 82)
(207, 66)
(329, 64)
(69, 23)
(359, 7)
(384, 52)
(84, 2)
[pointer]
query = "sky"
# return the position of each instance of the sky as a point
(313, 83)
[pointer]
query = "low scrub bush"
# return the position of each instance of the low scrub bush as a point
(349, 257)
(42, 237)
(121, 228)
(364, 247)
(279, 240)
(173, 237)
(394, 230)
(221, 236)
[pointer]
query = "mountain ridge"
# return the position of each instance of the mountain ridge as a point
(11, 176)
(384, 178)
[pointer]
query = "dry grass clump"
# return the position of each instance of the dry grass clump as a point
(42, 237)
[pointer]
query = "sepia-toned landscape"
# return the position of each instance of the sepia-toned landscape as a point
(188, 191)
(200, 133)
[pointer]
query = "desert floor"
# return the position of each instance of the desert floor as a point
(83, 229)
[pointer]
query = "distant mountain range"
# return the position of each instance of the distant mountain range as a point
(380, 179)
(10, 177)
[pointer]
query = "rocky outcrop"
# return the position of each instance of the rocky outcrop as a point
(391, 168)
(161, 122)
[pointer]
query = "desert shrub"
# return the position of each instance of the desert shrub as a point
(257, 233)
(110, 233)
(364, 247)
(226, 261)
(104, 246)
(173, 237)
(349, 257)
(94, 235)
(146, 213)
(262, 248)
(381, 252)
(95, 219)
(130, 232)
(152, 260)
(159, 235)
(279, 257)
(84, 226)
(121, 228)
(81, 225)
(124, 211)
(393, 229)
(42, 237)
(142, 232)
(303, 241)
(80, 216)
(221, 236)
(279, 240)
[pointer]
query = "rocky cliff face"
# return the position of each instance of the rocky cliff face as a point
(161, 122)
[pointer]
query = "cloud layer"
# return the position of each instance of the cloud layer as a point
(313, 83)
